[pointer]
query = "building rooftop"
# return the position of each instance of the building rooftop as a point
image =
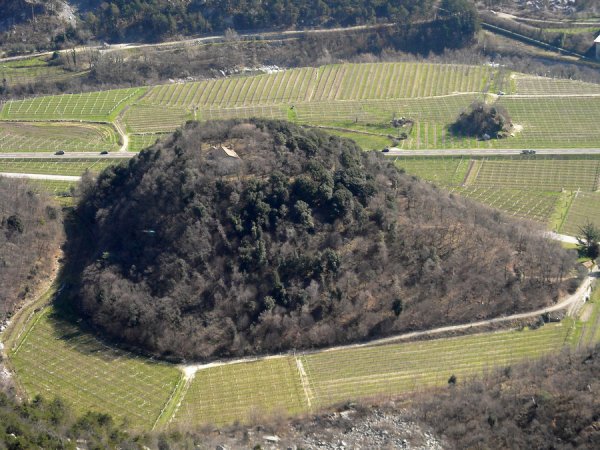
(597, 39)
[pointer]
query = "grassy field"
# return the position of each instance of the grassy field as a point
(396, 368)
(585, 208)
(531, 85)
(56, 167)
(537, 188)
(30, 71)
(537, 173)
(243, 392)
(56, 358)
(532, 205)
(98, 106)
(53, 136)
(138, 142)
(148, 119)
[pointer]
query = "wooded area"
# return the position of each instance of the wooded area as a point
(303, 241)
(30, 230)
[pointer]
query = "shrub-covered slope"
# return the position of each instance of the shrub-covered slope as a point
(302, 241)
(30, 231)
(551, 404)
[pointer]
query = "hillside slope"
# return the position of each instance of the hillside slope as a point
(303, 241)
(30, 232)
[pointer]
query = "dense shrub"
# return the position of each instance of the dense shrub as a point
(483, 119)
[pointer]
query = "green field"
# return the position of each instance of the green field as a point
(100, 106)
(585, 208)
(525, 187)
(53, 136)
(61, 189)
(57, 358)
(74, 167)
(31, 71)
(542, 86)
(243, 392)
(335, 82)
(138, 142)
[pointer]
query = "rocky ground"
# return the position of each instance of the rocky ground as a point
(353, 427)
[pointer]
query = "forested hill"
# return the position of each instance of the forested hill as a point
(301, 241)
(76, 21)
(166, 16)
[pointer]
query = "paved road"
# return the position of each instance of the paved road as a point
(67, 155)
(39, 176)
(491, 152)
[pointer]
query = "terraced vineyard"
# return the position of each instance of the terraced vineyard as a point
(335, 82)
(57, 358)
(53, 136)
(398, 80)
(138, 142)
(149, 119)
(101, 106)
(448, 171)
(540, 174)
(281, 87)
(553, 122)
(362, 97)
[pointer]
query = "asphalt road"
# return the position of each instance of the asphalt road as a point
(492, 152)
(67, 155)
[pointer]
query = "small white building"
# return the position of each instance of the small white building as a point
(597, 43)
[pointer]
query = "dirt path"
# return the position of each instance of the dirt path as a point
(124, 137)
(304, 380)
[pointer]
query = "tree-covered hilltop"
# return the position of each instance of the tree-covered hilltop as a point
(301, 240)
(30, 232)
